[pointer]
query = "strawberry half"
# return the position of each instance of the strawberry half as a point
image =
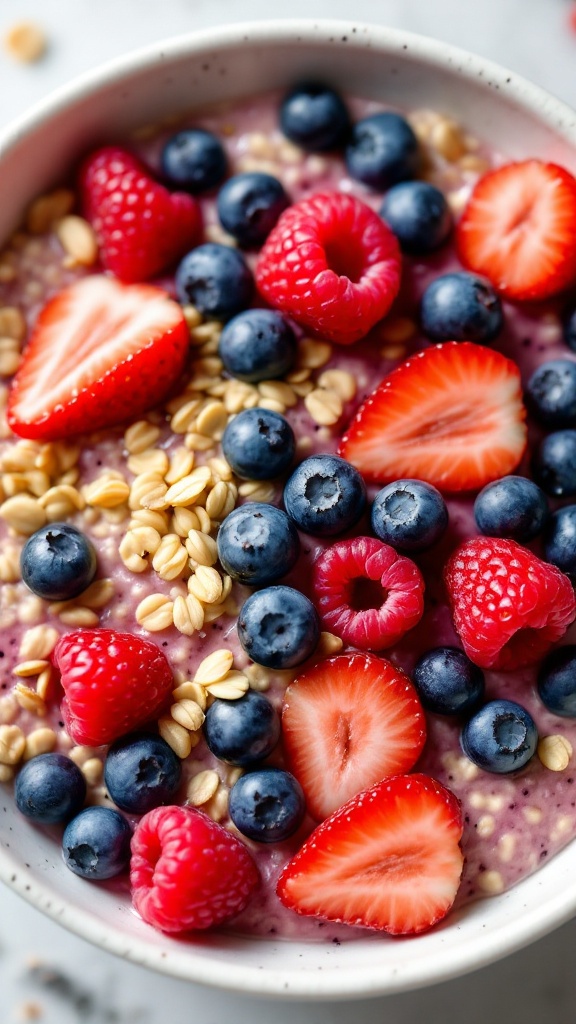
(348, 722)
(451, 415)
(389, 859)
(519, 229)
(101, 352)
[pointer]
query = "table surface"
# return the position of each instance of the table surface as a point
(45, 970)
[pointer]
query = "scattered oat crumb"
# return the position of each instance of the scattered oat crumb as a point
(30, 1011)
(25, 42)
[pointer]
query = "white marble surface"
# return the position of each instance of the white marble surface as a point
(73, 983)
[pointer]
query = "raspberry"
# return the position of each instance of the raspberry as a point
(141, 227)
(188, 872)
(114, 682)
(367, 593)
(332, 264)
(508, 605)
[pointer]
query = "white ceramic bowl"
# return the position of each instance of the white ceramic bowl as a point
(175, 76)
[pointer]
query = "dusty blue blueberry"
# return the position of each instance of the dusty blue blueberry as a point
(216, 279)
(560, 540)
(141, 772)
(557, 681)
(258, 344)
(278, 627)
(259, 444)
(193, 160)
(244, 731)
(419, 216)
(501, 737)
(58, 562)
(50, 789)
(554, 464)
(512, 507)
(267, 805)
(249, 206)
(315, 117)
(96, 843)
(551, 393)
(447, 682)
(461, 307)
(383, 150)
(257, 544)
(409, 514)
(325, 495)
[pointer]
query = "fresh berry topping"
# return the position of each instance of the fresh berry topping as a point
(508, 606)
(259, 444)
(58, 562)
(347, 722)
(101, 352)
(278, 627)
(141, 772)
(410, 515)
(256, 345)
(461, 307)
(325, 495)
(448, 683)
(551, 393)
(383, 150)
(216, 280)
(249, 206)
(267, 805)
(366, 593)
(257, 544)
(187, 872)
(389, 859)
(314, 117)
(244, 731)
(557, 682)
(419, 216)
(512, 507)
(501, 737)
(50, 789)
(569, 327)
(114, 683)
(554, 464)
(96, 843)
(332, 265)
(194, 160)
(451, 415)
(560, 540)
(519, 229)
(141, 227)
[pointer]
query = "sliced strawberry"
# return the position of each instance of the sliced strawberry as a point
(389, 859)
(519, 229)
(451, 415)
(348, 722)
(101, 352)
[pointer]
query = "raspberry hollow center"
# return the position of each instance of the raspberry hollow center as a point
(366, 594)
(345, 258)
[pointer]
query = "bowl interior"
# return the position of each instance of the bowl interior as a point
(181, 75)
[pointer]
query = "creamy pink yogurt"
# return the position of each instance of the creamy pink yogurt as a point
(513, 824)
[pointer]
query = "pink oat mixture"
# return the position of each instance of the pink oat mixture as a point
(512, 824)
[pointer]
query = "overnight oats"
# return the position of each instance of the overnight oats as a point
(288, 397)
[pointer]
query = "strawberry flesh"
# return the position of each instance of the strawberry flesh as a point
(451, 415)
(100, 353)
(347, 722)
(519, 230)
(389, 859)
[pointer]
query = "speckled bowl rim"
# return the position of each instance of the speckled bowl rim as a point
(182, 962)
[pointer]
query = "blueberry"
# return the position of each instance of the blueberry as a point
(243, 731)
(512, 507)
(50, 789)
(267, 805)
(257, 544)
(314, 117)
(259, 444)
(461, 307)
(569, 329)
(501, 737)
(557, 682)
(554, 464)
(96, 843)
(58, 562)
(383, 150)
(551, 393)
(419, 216)
(258, 344)
(448, 683)
(409, 514)
(194, 160)
(325, 495)
(141, 772)
(216, 279)
(278, 627)
(560, 540)
(249, 205)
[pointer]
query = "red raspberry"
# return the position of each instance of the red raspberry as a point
(188, 872)
(367, 593)
(141, 227)
(332, 264)
(508, 605)
(114, 682)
